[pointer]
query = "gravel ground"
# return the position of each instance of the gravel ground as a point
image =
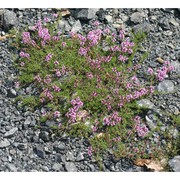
(25, 148)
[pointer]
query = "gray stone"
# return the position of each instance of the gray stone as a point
(11, 167)
(67, 27)
(76, 26)
(175, 164)
(150, 120)
(145, 103)
(56, 167)
(80, 157)
(137, 17)
(70, 167)
(59, 147)
(63, 25)
(69, 156)
(86, 14)
(11, 132)
(27, 121)
(176, 66)
(173, 22)
(145, 27)
(4, 143)
(45, 168)
(109, 19)
(174, 133)
(165, 86)
(10, 19)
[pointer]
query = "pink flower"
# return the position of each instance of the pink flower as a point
(55, 15)
(48, 57)
(89, 75)
(96, 23)
(150, 71)
(83, 51)
(22, 64)
(57, 114)
(56, 62)
(63, 44)
(56, 88)
(58, 73)
(42, 100)
(90, 150)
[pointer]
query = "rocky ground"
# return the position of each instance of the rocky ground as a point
(25, 148)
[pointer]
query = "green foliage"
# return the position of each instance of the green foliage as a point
(104, 85)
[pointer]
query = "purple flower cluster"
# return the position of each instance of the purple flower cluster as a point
(47, 79)
(72, 113)
(126, 46)
(47, 94)
(26, 38)
(112, 120)
(94, 36)
(161, 73)
(122, 58)
(24, 55)
(44, 34)
(56, 88)
(83, 51)
(38, 78)
(90, 150)
(141, 129)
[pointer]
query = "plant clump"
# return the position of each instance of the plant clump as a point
(89, 85)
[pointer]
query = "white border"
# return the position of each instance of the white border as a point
(89, 3)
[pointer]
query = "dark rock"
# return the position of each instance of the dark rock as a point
(70, 167)
(175, 164)
(58, 158)
(166, 86)
(11, 93)
(40, 151)
(10, 19)
(101, 15)
(22, 146)
(44, 136)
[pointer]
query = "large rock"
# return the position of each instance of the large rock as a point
(166, 86)
(70, 167)
(144, 27)
(145, 103)
(137, 17)
(10, 19)
(11, 132)
(76, 27)
(86, 14)
(4, 143)
(175, 164)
